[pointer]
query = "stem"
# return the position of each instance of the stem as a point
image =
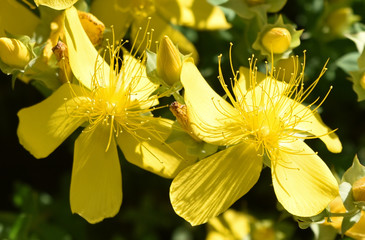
(349, 213)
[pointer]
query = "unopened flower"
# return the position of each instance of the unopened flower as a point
(168, 62)
(113, 103)
(14, 53)
(277, 40)
(339, 21)
(265, 122)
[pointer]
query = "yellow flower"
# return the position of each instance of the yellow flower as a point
(234, 225)
(197, 14)
(231, 225)
(114, 104)
(357, 231)
(265, 121)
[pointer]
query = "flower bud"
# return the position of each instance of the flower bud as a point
(277, 40)
(14, 53)
(358, 189)
(340, 20)
(168, 61)
(93, 27)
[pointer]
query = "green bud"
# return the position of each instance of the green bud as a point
(168, 61)
(14, 53)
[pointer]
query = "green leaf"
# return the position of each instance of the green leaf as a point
(355, 172)
(350, 221)
(358, 37)
(348, 62)
(346, 195)
(323, 232)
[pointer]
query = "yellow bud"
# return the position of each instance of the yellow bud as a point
(14, 53)
(93, 27)
(339, 20)
(362, 81)
(168, 61)
(358, 189)
(277, 40)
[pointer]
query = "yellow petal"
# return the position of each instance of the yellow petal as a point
(44, 126)
(213, 119)
(312, 123)
(84, 59)
(16, 19)
(112, 13)
(266, 93)
(161, 28)
(135, 77)
(244, 82)
(303, 183)
(56, 4)
(96, 183)
(211, 186)
(193, 13)
(146, 148)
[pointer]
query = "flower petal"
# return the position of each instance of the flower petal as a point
(96, 183)
(44, 126)
(85, 62)
(146, 148)
(193, 13)
(135, 78)
(161, 28)
(56, 4)
(212, 185)
(308, 121)
(298, 164)
(213, 119)
(112, 13)
(16, 19)
(244, 82)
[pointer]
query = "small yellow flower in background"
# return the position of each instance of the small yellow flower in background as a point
(265, 122)
(357, 231)
(235, 225)
(197, 14)
(14, 53)
(231, 225)
(339, 21)
(113, 102)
